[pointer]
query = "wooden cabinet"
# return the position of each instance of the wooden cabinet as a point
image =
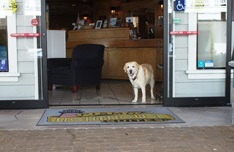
(97, 34)
(119, 49)
(115, 59)
(114, 63)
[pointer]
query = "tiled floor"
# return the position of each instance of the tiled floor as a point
(112, 92)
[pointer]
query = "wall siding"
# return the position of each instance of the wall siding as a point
(24, 88)
(185, 87)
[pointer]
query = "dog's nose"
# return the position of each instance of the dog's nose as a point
(130, 71)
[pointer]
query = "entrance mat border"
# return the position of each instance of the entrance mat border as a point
(158, 110)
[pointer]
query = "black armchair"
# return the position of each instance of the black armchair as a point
(84, 68)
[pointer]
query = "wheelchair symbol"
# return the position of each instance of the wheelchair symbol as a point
(179, 6)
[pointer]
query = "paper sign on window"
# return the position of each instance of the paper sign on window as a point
(7, 7)
(32, 7)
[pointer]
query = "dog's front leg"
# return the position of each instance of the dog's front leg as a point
(143, 94)
(135, 89)
(152, 93)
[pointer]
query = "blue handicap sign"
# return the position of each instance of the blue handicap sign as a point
(201, 64)
(179, 5)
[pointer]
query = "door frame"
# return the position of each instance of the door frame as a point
(196, 101)
(33, 104)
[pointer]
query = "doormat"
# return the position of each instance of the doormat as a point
(99, 116)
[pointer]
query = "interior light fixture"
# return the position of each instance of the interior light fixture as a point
(85, 16)
(114, 10)
(161, 4)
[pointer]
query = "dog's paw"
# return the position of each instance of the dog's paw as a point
(134, 100)
(153, 97)
(143, 101)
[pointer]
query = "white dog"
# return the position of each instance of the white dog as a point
(140, 76)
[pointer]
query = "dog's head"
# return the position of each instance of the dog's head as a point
(131, 68)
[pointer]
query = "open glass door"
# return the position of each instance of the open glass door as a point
(197, 48)
(23, 54)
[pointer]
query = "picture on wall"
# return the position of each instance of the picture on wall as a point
(160, 21)
(98, 24)
(118, 22)
(113, 22)
(133, 34)
(105, 23)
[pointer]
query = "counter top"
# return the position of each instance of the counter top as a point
(120, 43)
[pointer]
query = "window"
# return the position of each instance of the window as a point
(3, 45)
(12, 74)
(211, 41)
(211, 14)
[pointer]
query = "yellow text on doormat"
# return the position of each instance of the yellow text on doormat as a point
(110, 117)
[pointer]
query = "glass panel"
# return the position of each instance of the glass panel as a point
(3, 45)
(30, 51)
(24, 81)
(196, 29)
(211, 40)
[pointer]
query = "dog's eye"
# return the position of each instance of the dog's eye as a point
(133, 66)
(127, 66)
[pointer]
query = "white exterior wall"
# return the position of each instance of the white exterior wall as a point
(25, 82)
(189, 82)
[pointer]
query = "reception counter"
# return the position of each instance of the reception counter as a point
(119, 49)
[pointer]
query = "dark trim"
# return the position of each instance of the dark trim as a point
(165, 48)
(196, 102)
(23, 104)
(228, 52)
(45, 101)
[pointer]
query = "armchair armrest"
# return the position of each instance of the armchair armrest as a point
(58, 62)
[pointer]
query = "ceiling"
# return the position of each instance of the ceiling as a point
(71, 7)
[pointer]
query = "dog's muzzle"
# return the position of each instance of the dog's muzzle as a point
(131, 72)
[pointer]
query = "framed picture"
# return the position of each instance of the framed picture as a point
(105, 23)
(113, 22)
(118, 22)
(133, 34)
(91, 25)
(160, 21)
(98, 24)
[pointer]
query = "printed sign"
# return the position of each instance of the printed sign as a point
(209, 63)
(3, 59)
(32, 7)
(201, 64)
(25, 34)
(183, 32)
(179, 5)
(176, 20)
(7, 7)
(34, 22)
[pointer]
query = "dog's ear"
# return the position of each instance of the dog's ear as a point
(125, 68)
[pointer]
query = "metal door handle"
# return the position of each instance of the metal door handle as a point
(231, 63)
